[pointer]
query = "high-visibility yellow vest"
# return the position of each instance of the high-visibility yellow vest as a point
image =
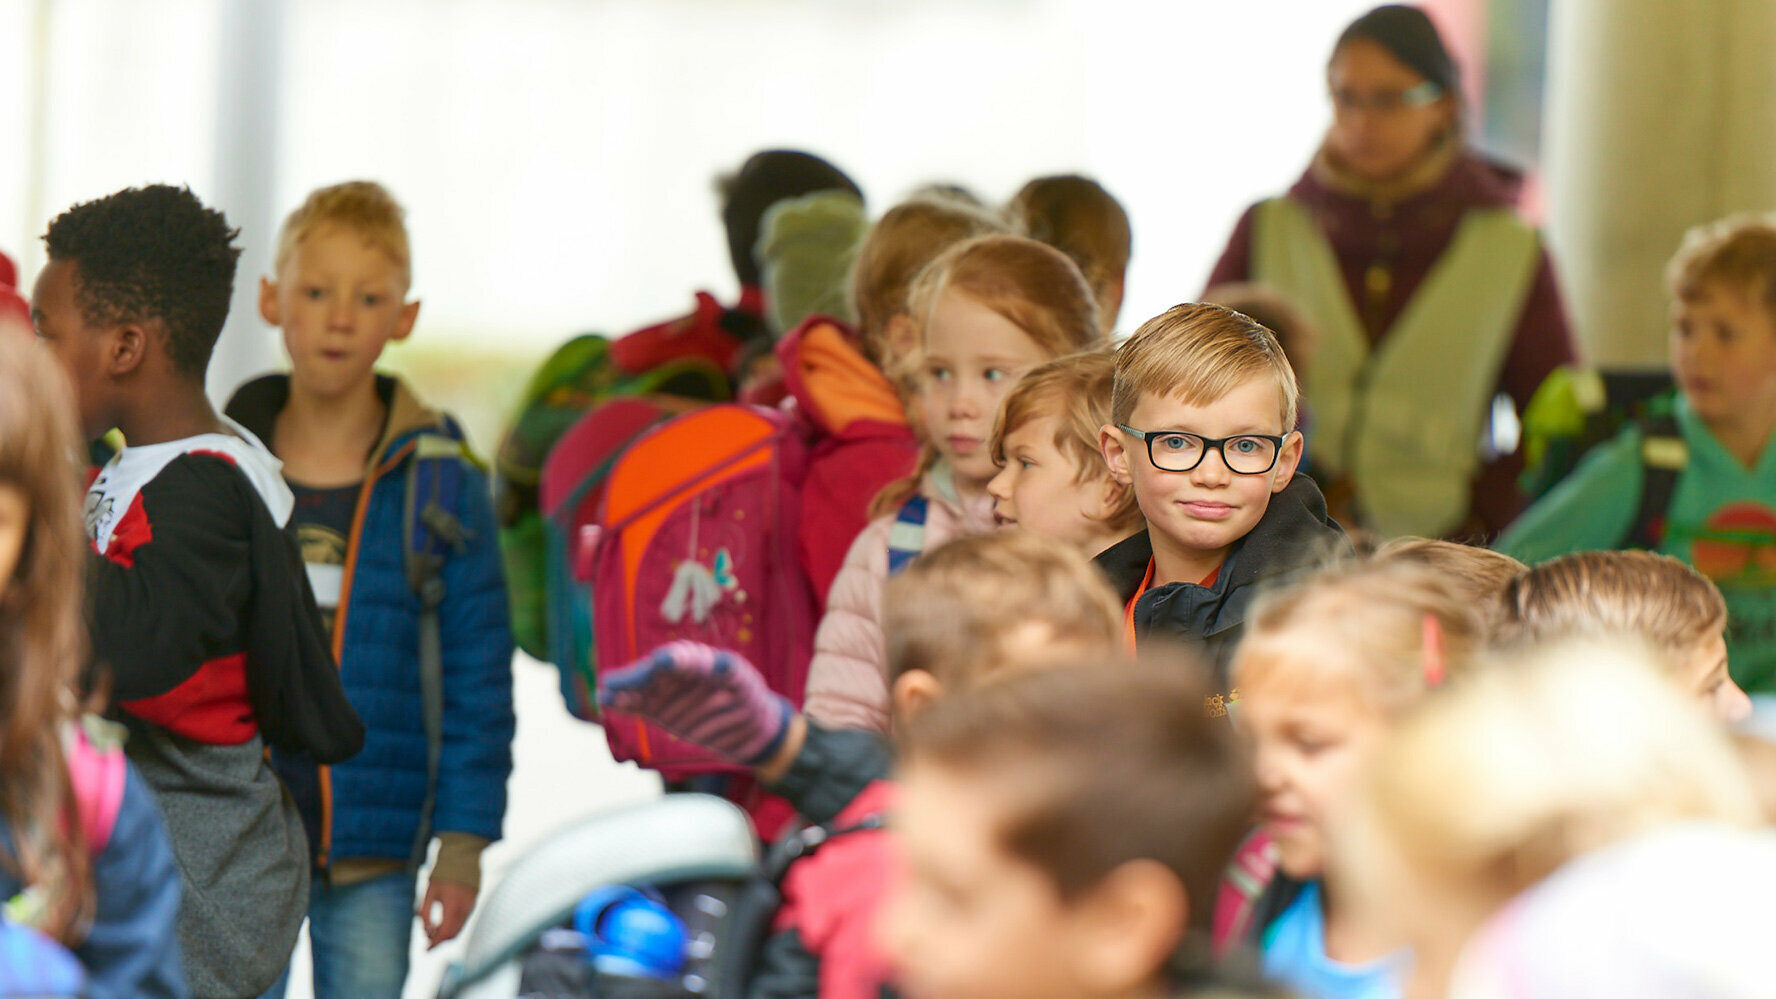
(1403, 420)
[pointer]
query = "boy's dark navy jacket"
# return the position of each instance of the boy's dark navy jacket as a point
(376, 797)
(1294, 534)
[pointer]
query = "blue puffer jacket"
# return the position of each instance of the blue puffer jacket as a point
(370, 807)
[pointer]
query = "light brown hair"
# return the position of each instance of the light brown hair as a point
(1388, 631)
(1101, 766)
(895, 249)
(363, 206)
(1075, 390)
(954, 609)
(1738, 252)
(1478, 575)
(42, 637)
(1077, 216)
(1197, 353)
(1582, 748)
(1032, 285)
(1671, 606)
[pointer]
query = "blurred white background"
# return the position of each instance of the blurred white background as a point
(556, 158)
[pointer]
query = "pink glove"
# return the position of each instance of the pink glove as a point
(709, 696)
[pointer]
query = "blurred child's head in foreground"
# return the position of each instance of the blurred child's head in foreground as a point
(1326, 668)
(988, 604)
(1064, 832)
(1518, 769)
(1676, 610)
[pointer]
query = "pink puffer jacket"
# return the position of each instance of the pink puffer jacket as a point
(848, 678)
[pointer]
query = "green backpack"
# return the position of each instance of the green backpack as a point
(578, 376)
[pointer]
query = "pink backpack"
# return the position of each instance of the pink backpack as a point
(696, 539)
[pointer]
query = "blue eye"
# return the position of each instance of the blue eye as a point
(372, 300)
(994, 374)
(312, 294)
(1246, 445)
(1177, 442)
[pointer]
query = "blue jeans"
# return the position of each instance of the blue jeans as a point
(359, 936)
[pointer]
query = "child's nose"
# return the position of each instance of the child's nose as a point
(999, 486)
(1212, 468)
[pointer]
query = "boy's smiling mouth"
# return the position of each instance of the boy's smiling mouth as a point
(1207, 509)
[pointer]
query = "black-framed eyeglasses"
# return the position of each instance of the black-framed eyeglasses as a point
(1177, 451)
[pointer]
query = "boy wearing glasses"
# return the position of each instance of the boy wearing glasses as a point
(1202, 418)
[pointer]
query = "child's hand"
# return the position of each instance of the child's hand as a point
(711, 697)
(444, 910)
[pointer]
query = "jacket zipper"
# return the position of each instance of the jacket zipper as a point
(323, 855)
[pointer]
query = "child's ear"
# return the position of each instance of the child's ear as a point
(901, 337)
(1287, 461)
(1101, 502)
(1115, 454)
(126, 347)
(404, 325)
(914, 691)
(269, 310)
(1132, 921)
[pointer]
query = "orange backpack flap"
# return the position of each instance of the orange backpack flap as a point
(696, 541)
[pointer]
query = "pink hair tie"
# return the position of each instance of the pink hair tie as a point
(1433, 651)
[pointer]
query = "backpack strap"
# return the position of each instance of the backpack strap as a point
(1243, 883)
(906, 538)
(1663, 457)
(430, 532)
(97, 772)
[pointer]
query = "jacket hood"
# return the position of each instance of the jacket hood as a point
(256, 404)
(835, 386)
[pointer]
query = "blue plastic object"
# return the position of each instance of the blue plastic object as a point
(631, 932)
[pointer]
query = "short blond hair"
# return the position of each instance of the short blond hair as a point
(1197, 353)
(1584, 745)
(1738, 252)
(895, 249)
(1657, 598)
(363, 206)
(1075, 390)
(952, 610)
(1077, 216)
(1387, 632)
(1478, 575)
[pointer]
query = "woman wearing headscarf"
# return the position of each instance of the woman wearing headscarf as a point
(1431, 294)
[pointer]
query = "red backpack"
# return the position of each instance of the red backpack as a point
(696, 539)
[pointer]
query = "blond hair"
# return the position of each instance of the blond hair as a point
(1075, 390)
(1077, 216)
(1478, 575)
(1197, 353)
(1659, 599)
(1738, 251)
(363, 206)
(1386, 631)
(953, 610)
(1031, 285)
(1276, 312)
(1531, 762)
(893, 252)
